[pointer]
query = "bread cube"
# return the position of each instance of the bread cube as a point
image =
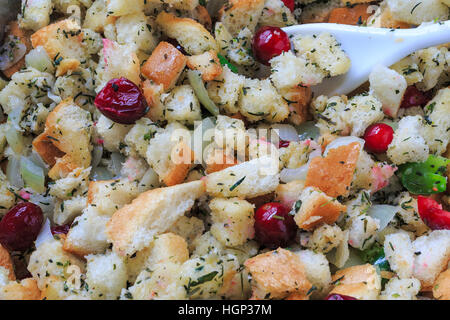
(431, 63)
(26, 289)
(361, 282)
(317, 271)
(275, 13)
(138, 138)
(7, 263)
(409, 69)
(97, 17)
(399, 253)
(182, 105)
(207, 64)
(138, 31)
(67, 210)
(35, 14)
(401, 289)
(330, 114)
(441, 287)
(225, 90)
(240, 14)
(124, 7)
(325, 238)
(416, 12)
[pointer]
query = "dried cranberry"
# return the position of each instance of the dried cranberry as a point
(270, 42)
(20, 227)
(290, 4)
(177, 45)
(337, 296)
(432, 214)
(63, 229)
(274, 226)
(121, 101)
(414, 97)
(378, 137)
(283, 144)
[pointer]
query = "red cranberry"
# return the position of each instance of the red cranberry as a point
(63, 229)
(283, 144)
(121, 101)
(270, 42)
(290, 4)
(432, 214)
(415, 97)
(378, 137)
(177, 45)
(337, 296)
(20, 227)
(274, 226)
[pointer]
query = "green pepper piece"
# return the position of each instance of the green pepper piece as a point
(425, 177)
(224, 61)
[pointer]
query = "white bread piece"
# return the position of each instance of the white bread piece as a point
(295, 155)
(67, 210)
(168, 247)
(117, 61)
(190, 228)
(409, 214)
(329, 113)
(133, 227)
(362, 231)
(441, 287)
(432, 62)
(225, 90)
(49, 259)
(232, 221)
(276, 14)
(325, 238)
(409, 69)
(138, 31)
(276, 274)
(138, 138)
(317, 271)
(7, 198)
(135, 168)
(181, 104)
(106, 275)
(388, 87)
(207, 63)
(362, 111)
(433, 258)
(363, 177)
(289, 70)
(97, 17)
(401, 289)
(112, 133)
(194, 38)
(324, 51)
(26, 289)
(437, 133)
(260, 100)
(35, 14)
(240, 14)
(124, 7)
(246, 180)
(408, 144)
(230, 133)
(424, 11)
(361, 282)
(399, 252)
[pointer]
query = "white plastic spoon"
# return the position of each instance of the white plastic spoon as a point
(368, 47)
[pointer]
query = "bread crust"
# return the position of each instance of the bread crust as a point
(6, 262)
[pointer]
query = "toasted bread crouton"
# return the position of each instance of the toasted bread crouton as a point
(361, 282)
(219, 160)
(194, 38)
(61, 40)
(239, 14)
(415, 12)
(168, 247)
(316, 208)
(207, 63)
(117, 61)
(401, 289)
(20, 35)
(179, 105)
(441, 287)
(133, 227)
(277, 274)
(325, 238)
(97, 16)
(409, 69)
(189, 229)
(409, 214)
(388, 87)
(246, 180)
(26, 289)
(111, 133)
(232, 221)
(334, 173)
(317, 269)
(399, 253)
(382, 18)
(35, 14)
(139, 136)
(124, 7)
(355, 15)
(287, 194)
(6, 262)
(433, 258)
(67, 210)
(164, 65)
(298, 101)
(68, 128)
(432, 62)
(275, 13)
(7, 198)
(76, 183)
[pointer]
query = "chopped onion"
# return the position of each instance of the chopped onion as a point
(55, 98)
(36, 158)
(97, 154)
(11, 51)
(195, 79)
(117, 161)
(286, 132)
(45, 234)
(13, 172)
(308, 130)
(15, 140)
(343, 141)
(340, 255)
(150, 180)
(383, 213)
(32, 174)
(101, 173)
(39, 59)
(354, 259)
(288, 175)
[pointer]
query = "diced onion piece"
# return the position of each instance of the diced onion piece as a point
(15, 140)
(150, 180)
(55, 98)
(12, 51)
(32, 175)
(45, 234)
(117, 161)
(339, 256)
(36, 158)
(286, 132)
(343, 141)
(288, 175)
(101, 173)
(383, 213)
(39, 59)
(13, 172)
(308, 130)
(97, 154)
(195, 79)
